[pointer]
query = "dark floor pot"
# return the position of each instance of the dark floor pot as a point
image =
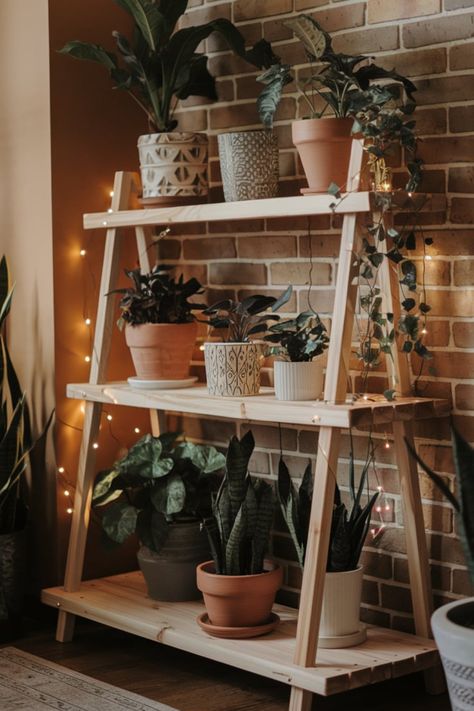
(170, 575)
(12, 583)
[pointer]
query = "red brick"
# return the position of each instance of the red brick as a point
(195, 120)
(374, 617)
(437, 273)
(462, 211)
(396, 598)
(308, 4)
(462, 584)
(438, 333)
(276, 32)
(457, 4)
(321, 300)
(251, 9)
(440, 574)
(238, 273)
(445, 29)
(236, 227)
(297, 273)
(430, 121)
(464, 395)
(287, 224)
(428, 488)
(438, 518)
(341, 18)
(321, 245)
(463, 333)
(267, 246)
(445, 549)
(439, 90)
(447, 150)
(464, 273)
(461, 180)
(377, 565)
(370, 592)
(453, 365)
(439, 458)
(286, 164)
(209, 248)
(461, 56)
(415, 62)
(170, 249)
(382, 11)
(372, 40)
(461, 118)
(452, 242)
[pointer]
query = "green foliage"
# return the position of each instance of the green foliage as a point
(157, 482)
(161, 65)
(348, 529)
(158, 298)
(239, 529)
(15, 435)
(248, 317)
(463, 503)
(300, 339)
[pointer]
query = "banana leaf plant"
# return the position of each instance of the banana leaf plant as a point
(246, 318)
(348, 528)
(239, 529)
(158, 482)
(15, 433)
(463, 503)
(161, 65)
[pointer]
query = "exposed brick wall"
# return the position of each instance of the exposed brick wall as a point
(430, 41)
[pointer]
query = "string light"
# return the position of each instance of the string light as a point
(387, 444)
(201, 348)
(109, 210)
(95, 446)
(379, 488)
(87, 359)
(69, 511)
(66, 492)
(61, 470)
(83, 252)
(137, 430)
(87, 321)
(110, 418)
(424, 331)
(111, 193)
(428, 258)
(82, 409)
(387, 507)
(378, 509)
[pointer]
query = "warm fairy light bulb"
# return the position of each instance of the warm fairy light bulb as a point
(83, 409)
(104, 222)
(428, 257)
(365, 397)
(109, 417)
(387, 507)
(66, 492)
(410, 194)
(95, 446)
(373, 532)
(111, 193)
(316, 418)
(83, 252)
(378, 509)
(87, 321)
(201, 348)
(387, 445)
(110, 210)
(379, 488)
(69, 511)
(61, 470)
(424, 331)
(87, 359)
(137, 430)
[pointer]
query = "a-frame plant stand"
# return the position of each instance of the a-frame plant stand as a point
(290, 654)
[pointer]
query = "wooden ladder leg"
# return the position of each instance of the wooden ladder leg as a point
(300, 699)
(86, 469)
(417, 552)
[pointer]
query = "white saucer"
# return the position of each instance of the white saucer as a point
(135, 382)
(345, 640)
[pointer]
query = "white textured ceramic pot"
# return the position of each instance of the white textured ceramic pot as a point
(340, 617)
(173, 166)
(249, 164)
(232, 369)
(298, 381)
(453, 629)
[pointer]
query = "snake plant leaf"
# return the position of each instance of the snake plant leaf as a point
(206, 458)
(315, 40)
(305, 499)
(263, 524)
(339, 554)
(119, 521)
(10, 446)
(232, 549)
(169, 495)
(215, 543)
(147, 17)
(222, 512)
(237, 460)
(6, 290)
(288, 500)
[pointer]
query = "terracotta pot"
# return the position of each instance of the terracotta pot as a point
(239, 600)
(161, 351)
(173, 166)
(249, 164)
(298, 381)
(324, 146)
(170, 574)
(233, 369)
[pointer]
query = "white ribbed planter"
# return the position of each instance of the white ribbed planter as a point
(298, 381)
(232, 369)
(249, 164)
(173, 165)
(456, 646)
(340, 617)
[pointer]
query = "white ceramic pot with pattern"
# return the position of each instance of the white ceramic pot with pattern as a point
(173, 166)
(232, 369)
(453, 630)
(249, 164)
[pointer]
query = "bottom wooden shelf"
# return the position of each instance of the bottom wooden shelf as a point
(121, 602)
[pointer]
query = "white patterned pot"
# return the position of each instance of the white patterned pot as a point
(232, 369)
(453, 629)
(249, 164)
(340, 617)
(298, 381)
(173, 165)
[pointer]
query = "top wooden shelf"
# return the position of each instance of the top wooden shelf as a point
(244, 210)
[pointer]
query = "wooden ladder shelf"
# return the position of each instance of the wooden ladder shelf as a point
(289, 654)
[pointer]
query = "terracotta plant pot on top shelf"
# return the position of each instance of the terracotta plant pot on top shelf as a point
(161, 351)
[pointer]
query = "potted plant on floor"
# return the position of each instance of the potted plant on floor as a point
(15, 446)
(161, 490)
(158, 68)
(301, 341)
(160, 326)
(239, 585)
(340, 616)
(364, 98)
(453, 624)
(233, 365)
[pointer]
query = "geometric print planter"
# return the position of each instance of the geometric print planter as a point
(249, 165)
(232, 369)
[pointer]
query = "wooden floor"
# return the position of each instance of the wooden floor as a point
(190, 683)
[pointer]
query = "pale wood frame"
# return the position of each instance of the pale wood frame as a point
(335, 394)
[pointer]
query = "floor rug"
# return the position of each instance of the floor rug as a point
(29, 683)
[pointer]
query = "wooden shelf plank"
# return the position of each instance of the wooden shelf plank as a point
(244, 210)
(264, 407)
(121, 602)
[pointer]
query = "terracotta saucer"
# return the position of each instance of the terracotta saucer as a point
(237, 632)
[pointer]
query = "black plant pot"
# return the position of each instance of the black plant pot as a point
(12, 583)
